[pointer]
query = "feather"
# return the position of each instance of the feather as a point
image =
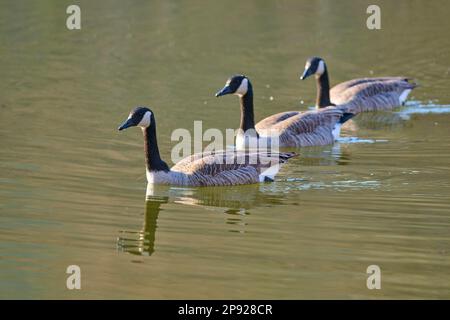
(371, 94)
(301, 129)
(227, 167)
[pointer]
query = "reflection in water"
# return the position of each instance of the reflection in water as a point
(343, 207)
(235, 202)
(143, 242)
(230, 200)
(329, 155)
(374, 121)
(416, 107)
(383, 120)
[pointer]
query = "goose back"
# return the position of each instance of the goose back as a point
(224, 168)
(274, 119)
(372, 94)
(301, 129)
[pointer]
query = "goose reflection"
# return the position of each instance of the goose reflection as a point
(375, 121)
(234, 202)
(331, 155)
(225, 199)
(397, 119)
(142, 242)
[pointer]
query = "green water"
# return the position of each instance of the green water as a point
(72, 189)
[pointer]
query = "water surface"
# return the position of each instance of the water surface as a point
(72, 189)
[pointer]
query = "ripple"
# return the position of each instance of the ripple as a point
(417, 107)
(350, 140)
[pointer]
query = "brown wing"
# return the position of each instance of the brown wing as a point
(310, 128)
(214, 163)
(341, 87)
(274, 119)
(370, 94)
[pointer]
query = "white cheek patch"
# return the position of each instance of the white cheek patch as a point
(320, 68)
(145, 122)
(307, 65)
(242, 90)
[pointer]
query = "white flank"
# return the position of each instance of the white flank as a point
(270, 173)
(337, 131)
(403, 96)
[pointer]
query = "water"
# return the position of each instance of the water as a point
(72, 189)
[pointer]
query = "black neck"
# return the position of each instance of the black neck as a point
(152, 157)
(152, 204)
(247, 115)
(323, 90)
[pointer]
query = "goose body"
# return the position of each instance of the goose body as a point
(358, 95)
(286, 129)
(215, 168)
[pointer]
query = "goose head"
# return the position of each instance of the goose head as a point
(139, 117)
(314, 65)
(238, 85)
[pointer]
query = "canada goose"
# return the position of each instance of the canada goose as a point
(293, 128)
(203, 169)
(357, 95)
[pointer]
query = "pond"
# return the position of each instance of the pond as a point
(73, 189)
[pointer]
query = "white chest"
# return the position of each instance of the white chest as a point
(249, 142)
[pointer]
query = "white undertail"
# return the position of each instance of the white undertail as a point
(337, 131)
(270, 173)
(404, 96)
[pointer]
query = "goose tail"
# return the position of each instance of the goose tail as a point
(282, 156)
(269, 174)
(410, 83)
(285, 156)
(345, 117)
